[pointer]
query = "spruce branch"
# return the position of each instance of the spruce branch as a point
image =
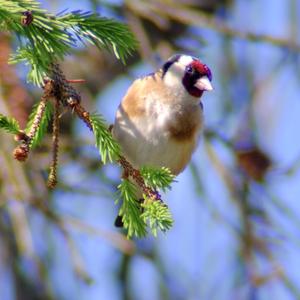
(129, 170)
(101, 32)
(42, 122)
(38, 117)
(62, 89)
(10, 125)
(135, 214)
(160, 178)
(157, 215)
(21, 152)
(48, 38)
(109, 149)
(130, 210)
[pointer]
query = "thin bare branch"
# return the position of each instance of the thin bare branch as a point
(189, 16)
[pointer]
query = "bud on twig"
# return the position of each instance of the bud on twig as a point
(21, 152)
(21, 136)
(27, 18)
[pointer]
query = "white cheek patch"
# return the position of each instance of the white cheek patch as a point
(175, 73)
(173, 79)
(174, 76)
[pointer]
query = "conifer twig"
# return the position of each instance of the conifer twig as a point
(138, 178)
(47, 37)
(21, 152)
(52, 179)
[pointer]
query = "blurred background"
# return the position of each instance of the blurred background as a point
(236, 212)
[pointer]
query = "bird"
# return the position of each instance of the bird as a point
(159, 120)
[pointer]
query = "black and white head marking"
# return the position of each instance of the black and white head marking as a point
(188, 71)
(169, 63)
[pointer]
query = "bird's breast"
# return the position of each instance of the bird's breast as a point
(162, 135)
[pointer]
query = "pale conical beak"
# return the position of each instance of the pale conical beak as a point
(203, 84)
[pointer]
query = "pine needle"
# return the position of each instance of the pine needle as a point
(157, 215)
(10, 125)
(131, 210)
(109, 149)
(48, 38)
(160, 178)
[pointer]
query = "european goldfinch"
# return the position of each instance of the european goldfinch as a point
(159, 120)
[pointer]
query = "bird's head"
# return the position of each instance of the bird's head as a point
(189, 72)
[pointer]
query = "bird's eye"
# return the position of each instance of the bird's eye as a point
(189, 69)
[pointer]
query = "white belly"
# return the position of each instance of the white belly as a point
(145, 141)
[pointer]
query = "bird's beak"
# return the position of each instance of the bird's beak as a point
(203, 84)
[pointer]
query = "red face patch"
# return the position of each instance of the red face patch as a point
(202, 69)
(193, 72)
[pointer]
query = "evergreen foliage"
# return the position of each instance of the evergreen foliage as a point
(48, 38)
(131, 210)
(157, 215)
(44, 40)
(157, 178)
(109, 149)
(10, 125)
